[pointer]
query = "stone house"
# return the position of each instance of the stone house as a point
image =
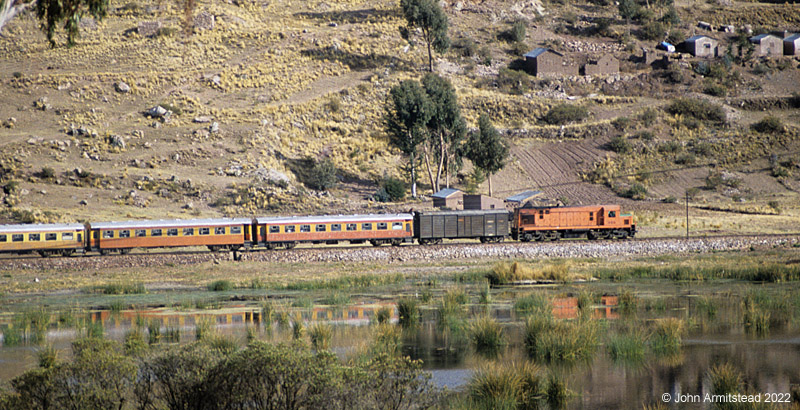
(767, 45)
(607, 64)
(482, 202)
(701, 46)
(791, 45)
(545, 62)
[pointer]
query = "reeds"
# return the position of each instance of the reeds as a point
(408, 312)
(667, 336)
(320, 335)
(628, 302)
(122, 288)
(560, 340)
(154, 332)
(487, 336)
(221, 285)
(298, 329)
(627, 348)
(386, 340)
(336, 299)
(203, 328)
(534, 303)
(504, 273)
(347, 282)
(501, 386)
(383, 315)
(725, 379)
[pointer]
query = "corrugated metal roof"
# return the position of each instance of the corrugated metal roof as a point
(761, 37)
(334, 218)
(522, 196)
(692, 39)
(171, 223)
(39, 228)
(793, 37)
(539, 51)
(444, 193)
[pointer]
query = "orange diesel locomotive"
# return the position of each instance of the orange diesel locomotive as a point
(553, 223)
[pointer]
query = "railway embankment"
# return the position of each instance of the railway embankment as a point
(406, 253)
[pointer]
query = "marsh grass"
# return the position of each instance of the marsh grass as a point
(451, 314)
(504, 273)
(117, 306)
(487, 336)
(347, 282)
(725, 379)
(283, 319)
(408, 312)
(47, 357)
(707, 306)
(383, 315)
(534, 303)
(154, 332)
(556, 391)
(298, 329)
(628, 302)
(303, 302)
(93, 329)
(267, 313)
(556, 341)
(320, 335)
(386, 340)
(771, 273)
(134, 343)
(667, 336)
(221, 285)
(502, 386)
(204, 328)
(336, 299)
(627, 348)
(122, 288)
(485, 294)
(172, 334)
(756, 320)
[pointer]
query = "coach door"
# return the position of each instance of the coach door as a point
(599, 215)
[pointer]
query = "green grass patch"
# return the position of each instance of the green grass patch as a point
(487, 336)
(221, 285)
(408, 312)
(122, 288)
(627, 348)
(556, 341)
(667, 336)
(320, 335)
(346, 282)
(501, 386)
(534, 303)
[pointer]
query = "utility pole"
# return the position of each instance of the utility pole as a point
(687, 214)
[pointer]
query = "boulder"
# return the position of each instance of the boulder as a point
(204, 21)
(149, 28)
(122, 87)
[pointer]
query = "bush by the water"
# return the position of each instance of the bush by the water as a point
(505, 273)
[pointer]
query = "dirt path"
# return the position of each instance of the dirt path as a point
(326, 85)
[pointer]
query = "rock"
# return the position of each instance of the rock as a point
(157, 112)
(116, 141)
(188, 205)
(42, 104)
(64, 86)
(214, 128)
(132, 194)
(43, 192)
(202, 119)
(149, 28)
(204, 21)
(202, 133)
(83, 202)
(333, 24)
(122, 87)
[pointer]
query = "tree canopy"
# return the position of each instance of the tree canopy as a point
(52, 13)
(446, 127)
(429, 17)
(408, 111)
(486, 149)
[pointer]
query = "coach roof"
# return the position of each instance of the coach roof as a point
(334, 219)
(174, 223)
(39, 228)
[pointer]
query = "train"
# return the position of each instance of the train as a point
(244, 234)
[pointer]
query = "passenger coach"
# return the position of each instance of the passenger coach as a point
(286, 232)
(45, 239)
(216, 234)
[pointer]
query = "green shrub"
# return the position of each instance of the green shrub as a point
(654, 30)
(485, 55)
(513, 81)
(676, 36)
(716, 90)
(565, 113)
(322, 176)
(686, 159)
(769, 124)
(383, 315)
(46, 173)
(518, 31)
(407, 312)
(699, 109)
(320, 334)
(670, 147)
(391, 189)
(636, 191)
(620, 145)
(466, 47)
(221, 285)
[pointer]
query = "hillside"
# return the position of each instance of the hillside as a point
(272, 87)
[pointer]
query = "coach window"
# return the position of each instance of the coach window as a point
(155, 232)
(124, 233)
(108, 234)
(188, 231)
(67, 236)
(172, 232)
(275, 229)
(34, 237)
(366, 226)
(321, 228)
(50, 236)
(397, 226)
(336, 227)
(140, 233)
(16, 237)
(3, 238)
(382, 226)
(408, 227)
(220, 230)
(204, 231)
(591, 216)
(612, 214)
(351, 227)
(288, 229)
(235, 230)
(305, 228)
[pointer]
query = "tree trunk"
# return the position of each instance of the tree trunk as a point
(447, 171)
(442, 154)
(9, 9)
(490, 184)
(413, 178)
(426, 156)
(430, 57)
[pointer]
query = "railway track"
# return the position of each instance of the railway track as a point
(391, 254)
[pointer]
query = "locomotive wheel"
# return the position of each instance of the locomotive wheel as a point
(539, 236)
(484, 239)
(526, 238)
(592, 235)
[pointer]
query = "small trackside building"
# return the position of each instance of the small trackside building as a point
(543, 62)
(449, 198)
(791, 45)
(701, 46)
(767, 45)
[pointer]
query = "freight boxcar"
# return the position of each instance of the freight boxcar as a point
(486, 225)
(553, 223)
(45, 239)
(216, 234)
(286, 232)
